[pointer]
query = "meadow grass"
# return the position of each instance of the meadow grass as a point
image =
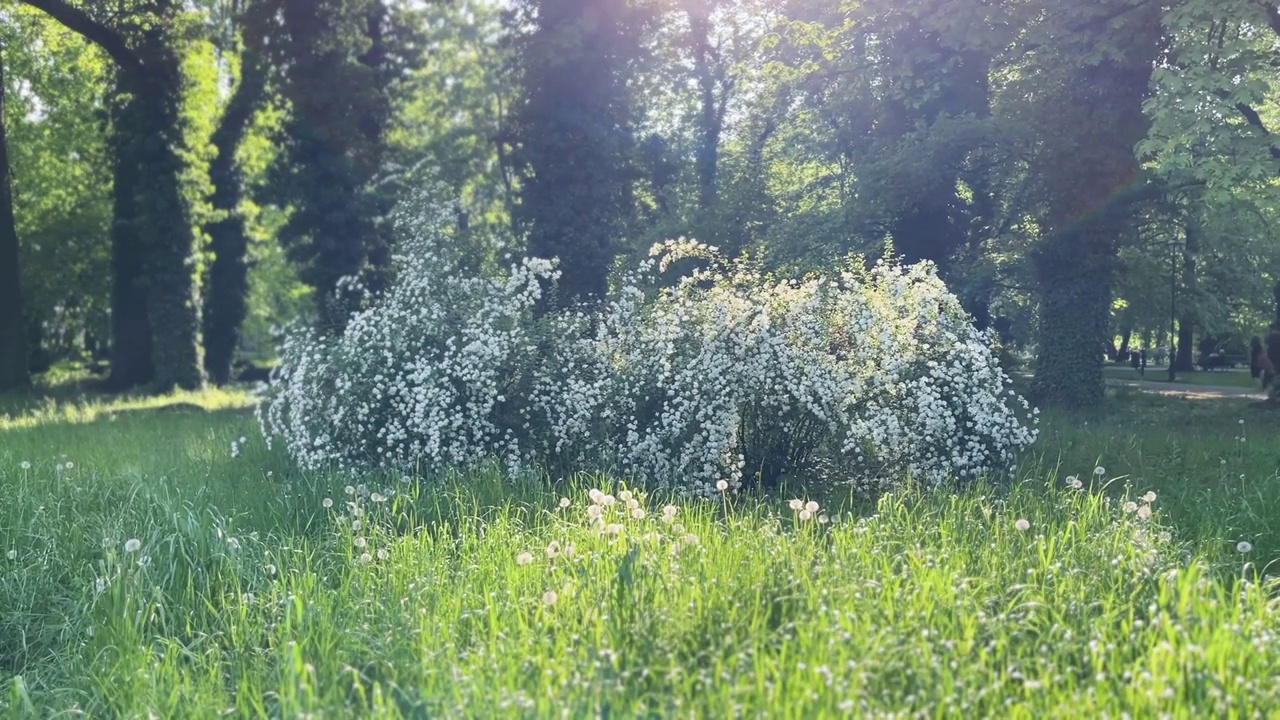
(247, 594)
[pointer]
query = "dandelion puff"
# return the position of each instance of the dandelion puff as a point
(524, 558)
(327, 503)
(550, 597)
(1149, 497)
(569, 549)
(378, 497)
(25, 465)
(594, 511)
(1144, 512)
(361, 542)
(625, 496)
(564, 502)
(805, 515)
(356, 525)
(271, 569)
(796, 504)
(12, 554)
(553, 550)
(690, 539)
(1099, 471)
(1022, 524)
(132, 545)
(722, 485)
(366, 558)
(1129, 507)
(1074, 482)
(608, 500)
(637, 513)
(1244, 546)
(383, 553)
(613, 529)
(595, 495)
(350, 490)
(823, 519)
(811, 506)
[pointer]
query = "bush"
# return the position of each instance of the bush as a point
(866, 376)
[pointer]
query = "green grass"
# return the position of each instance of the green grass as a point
(1239, 378)
(248, 597)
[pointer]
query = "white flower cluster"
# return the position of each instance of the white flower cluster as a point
(726, 377)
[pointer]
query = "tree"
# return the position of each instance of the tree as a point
(226, 297)
(573, 136)
(332, 66)
(14, 358)
(1090, 85)
(156, 312)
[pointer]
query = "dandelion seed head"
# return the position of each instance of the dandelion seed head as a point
(722, 485)
(383, 553)
(550, 597)
(1149, 497)
(326, 503)
(564, 502)
(811, 506)
(132, 545)
(796, 504)
(805, 515)
(1244, 546)
(1022, 524)
(1099, 471)
(524, 558)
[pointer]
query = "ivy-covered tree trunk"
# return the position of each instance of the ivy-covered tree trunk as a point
(1075, 303)
(1091, 119)
(226, 298)
(14, 358)
(168, 229)
(154, 237)
(131, 364)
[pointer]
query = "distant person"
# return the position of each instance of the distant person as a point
(1162, 353)
(1135, 361)
(1257, 354)
(1143, 354)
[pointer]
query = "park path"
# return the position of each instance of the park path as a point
(1188, 390)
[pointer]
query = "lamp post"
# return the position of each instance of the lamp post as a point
(1176, 245)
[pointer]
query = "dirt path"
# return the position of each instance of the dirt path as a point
(1188, 390)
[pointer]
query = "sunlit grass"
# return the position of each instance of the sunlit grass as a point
(1237, 378)
(480, 596)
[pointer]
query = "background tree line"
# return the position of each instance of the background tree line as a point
(184, 175)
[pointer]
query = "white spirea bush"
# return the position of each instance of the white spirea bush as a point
(866, 376)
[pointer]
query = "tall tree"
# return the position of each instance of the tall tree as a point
(333, 69)
(154, 239)
(573, 136)
(13, 327)
(1091, 79)
(226, 296)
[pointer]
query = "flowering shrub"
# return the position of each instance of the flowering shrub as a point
(725, 377)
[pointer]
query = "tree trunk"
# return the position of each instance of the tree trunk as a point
(14, 357)
(168, 232)
(226, 301)
(1184, 359)
(1075, 301)
(1085, 165)
(130, 323)
(711, 108)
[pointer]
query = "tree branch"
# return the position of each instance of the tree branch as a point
(79, 22)
(1251, 116)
